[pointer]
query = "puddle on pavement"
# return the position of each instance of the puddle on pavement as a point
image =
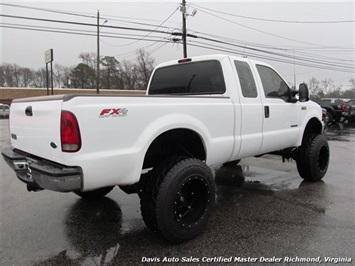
(340, 132)
(256, 178)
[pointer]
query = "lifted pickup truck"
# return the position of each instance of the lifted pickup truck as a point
(198, 113)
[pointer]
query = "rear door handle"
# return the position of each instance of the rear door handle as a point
(267, 111)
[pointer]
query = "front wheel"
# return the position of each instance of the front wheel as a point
(178, 200)
(313, 158)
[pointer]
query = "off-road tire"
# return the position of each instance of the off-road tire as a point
(94, 194)
(178, 199)
(313, 158)
(151, 183)
(330, 117)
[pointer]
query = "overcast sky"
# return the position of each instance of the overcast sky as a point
(317, 35)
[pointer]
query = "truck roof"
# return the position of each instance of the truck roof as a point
(210, 57)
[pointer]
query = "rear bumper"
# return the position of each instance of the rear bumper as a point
(43, 174)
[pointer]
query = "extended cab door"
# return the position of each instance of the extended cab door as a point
(280, 115)
(251, 124)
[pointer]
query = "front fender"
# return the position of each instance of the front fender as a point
(311, 121)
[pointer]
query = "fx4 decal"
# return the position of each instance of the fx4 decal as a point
(112, 112)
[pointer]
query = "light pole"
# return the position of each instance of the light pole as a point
(98, 53)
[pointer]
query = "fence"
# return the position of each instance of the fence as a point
(9, 94)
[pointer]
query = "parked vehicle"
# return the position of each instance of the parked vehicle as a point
(198, 113)
(336, 108)
(325, 117)
(351, 106)
(4, 110)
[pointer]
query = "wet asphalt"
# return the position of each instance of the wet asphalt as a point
(264, 213)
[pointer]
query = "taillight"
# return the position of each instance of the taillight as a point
(69, 132)
(343, 107)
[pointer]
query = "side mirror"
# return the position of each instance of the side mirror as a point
(303, 93)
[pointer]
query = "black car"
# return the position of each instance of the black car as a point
(336, 108)
(351, 107)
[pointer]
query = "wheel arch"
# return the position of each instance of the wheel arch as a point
(314, 126)
(175, 142)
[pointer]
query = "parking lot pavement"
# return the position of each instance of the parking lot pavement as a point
(264, 213)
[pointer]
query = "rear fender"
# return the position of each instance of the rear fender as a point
(164, 124)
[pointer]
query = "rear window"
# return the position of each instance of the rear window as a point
(204, 77)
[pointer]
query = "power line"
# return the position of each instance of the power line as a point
(273, 53)
(49, 10)
(88, 15)
(225, 50)
(78, 32)
(271, 56)
(276, 20)
(157, 27)
(330, 65)
(261, 31)
(82, 23)
(306, 59)
(333, 48)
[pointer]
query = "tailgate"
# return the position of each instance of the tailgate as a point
(35, 126)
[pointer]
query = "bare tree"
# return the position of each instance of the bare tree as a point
(327, 86)
(2, 76)
(89, 59)
(58, 75)
(67, 76)
(128, 73)
(336, 91)
(352, 84)
(314, 86)
(145, 66)
(40, 79)
(27, 76)
(8, 75)
(16, 72)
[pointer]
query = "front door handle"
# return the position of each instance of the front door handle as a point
(267, 111)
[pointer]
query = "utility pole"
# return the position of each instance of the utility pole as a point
(294, 70)
(183, 10)
(98, 54)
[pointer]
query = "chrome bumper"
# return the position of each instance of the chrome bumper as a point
(43, 174)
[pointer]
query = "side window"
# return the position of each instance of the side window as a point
(246, 79)
(274, 86)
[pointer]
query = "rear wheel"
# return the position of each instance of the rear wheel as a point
(178, 200)
(330, 117)
(94, 194)
(313, 158)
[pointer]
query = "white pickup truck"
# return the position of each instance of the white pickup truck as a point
(198, 113)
